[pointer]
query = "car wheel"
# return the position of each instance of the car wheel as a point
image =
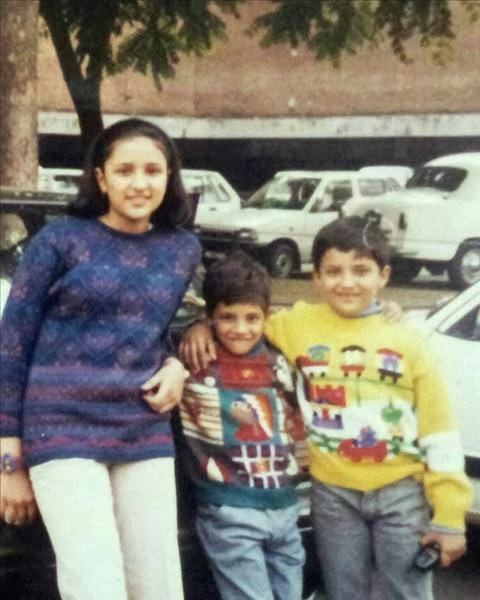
(404, 270)
(464, 268)
(281, 260)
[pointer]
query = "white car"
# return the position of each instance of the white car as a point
(454, 329)
(399, 173)
(278, 223)
(65, 181)
(435, 221)
(216, 197)
(213, 193)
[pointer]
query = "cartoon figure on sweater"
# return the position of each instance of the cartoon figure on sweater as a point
(254, 416)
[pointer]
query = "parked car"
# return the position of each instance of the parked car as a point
(63, 181)
(27, 561)
(213, 193)
(399, 173)
(22, 214)
(279, 222)
(435, 221)
(454, 329)
(216, 197)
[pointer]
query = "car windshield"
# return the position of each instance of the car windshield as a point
(445, 179)
(284, 192)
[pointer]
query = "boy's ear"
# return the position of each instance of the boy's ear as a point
(316, 276)
(385, 275)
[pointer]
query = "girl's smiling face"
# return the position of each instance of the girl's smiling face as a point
(135, 178)
(350, 281)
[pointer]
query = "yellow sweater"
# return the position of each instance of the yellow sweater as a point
(374, 405)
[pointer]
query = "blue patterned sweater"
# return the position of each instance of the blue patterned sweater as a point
(82, 330)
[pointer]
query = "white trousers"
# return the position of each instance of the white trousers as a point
(113, 528)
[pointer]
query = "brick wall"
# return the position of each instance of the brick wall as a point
(239, 79)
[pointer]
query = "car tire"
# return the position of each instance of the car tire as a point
(403, 270)
(281, 260)
(464, 268)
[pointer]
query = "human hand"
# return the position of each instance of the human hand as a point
(17, 501)
(451, 545)
(197, 348)
(391, 311)
(163, 391)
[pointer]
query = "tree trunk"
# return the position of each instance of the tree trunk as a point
(84, 90)
(18, 93)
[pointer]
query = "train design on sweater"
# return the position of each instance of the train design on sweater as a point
(355, 408)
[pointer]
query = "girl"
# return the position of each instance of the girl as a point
(87, 386)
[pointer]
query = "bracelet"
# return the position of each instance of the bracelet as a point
(10, 464)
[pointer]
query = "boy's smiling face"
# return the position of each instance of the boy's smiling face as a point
(349, 281)
(238, 327)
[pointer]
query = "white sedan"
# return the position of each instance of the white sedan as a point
(454, 329)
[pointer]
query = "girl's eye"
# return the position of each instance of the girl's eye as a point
(153, 170)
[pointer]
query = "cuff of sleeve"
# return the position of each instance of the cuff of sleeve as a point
(449, 518)
(448, 530)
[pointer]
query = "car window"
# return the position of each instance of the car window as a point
(284, 192)
(393, 184)
(468, 327)
(335, 195)
(193, 184)
(222, 193)
(445, 179)
(372, 187)
(203, 186)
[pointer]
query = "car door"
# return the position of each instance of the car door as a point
(457, 340)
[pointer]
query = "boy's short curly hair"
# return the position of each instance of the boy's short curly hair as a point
(361, 234)
(236, 279)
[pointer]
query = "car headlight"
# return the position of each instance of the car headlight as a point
(247, 234)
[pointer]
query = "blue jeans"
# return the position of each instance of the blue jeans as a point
(367, 541)
(254, 554)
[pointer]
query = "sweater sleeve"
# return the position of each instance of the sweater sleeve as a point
(447, 488)
(21, 322)
(280, 328)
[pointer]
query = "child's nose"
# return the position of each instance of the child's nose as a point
(347, 279)
(138, 180)
(241, 326)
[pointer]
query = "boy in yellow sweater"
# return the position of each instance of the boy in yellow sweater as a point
(385, 457)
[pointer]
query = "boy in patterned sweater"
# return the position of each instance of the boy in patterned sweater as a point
(385, 457)
(238, 418)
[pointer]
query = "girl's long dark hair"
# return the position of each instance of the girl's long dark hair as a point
(92, 202)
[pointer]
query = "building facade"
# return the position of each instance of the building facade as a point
(249, 111)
